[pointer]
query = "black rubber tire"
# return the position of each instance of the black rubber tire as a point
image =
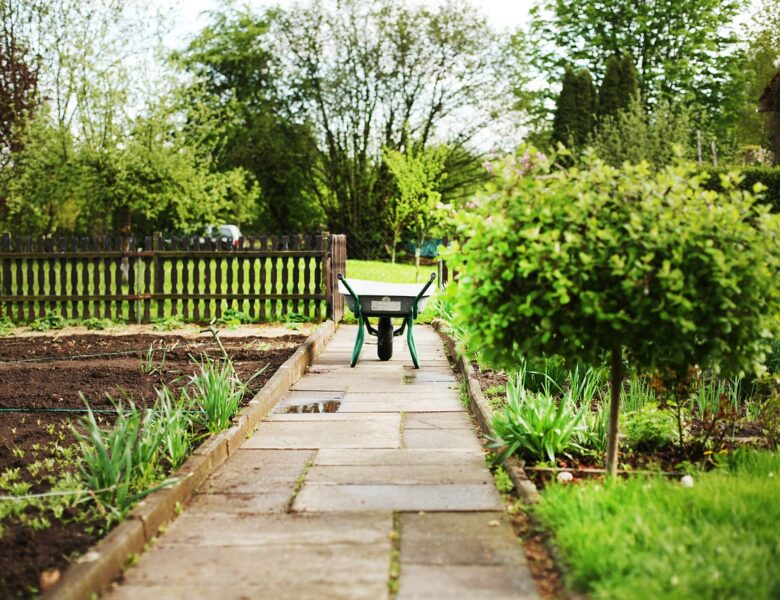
(384, 338)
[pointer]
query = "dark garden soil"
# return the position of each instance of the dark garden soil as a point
(38, 374)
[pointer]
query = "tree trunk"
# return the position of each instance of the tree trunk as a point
(392, 252)
(417, 263)
(616, 385)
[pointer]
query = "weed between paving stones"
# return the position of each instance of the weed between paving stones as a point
(38, 452)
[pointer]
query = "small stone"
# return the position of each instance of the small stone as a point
(494, 523)
(88, 557)
(48, 578)
(686, 481)
(564, 477)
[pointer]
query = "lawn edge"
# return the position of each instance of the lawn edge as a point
(480, 408)
(85, 578)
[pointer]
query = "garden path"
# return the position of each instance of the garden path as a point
(388, 476)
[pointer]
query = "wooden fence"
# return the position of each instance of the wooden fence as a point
(268, 277)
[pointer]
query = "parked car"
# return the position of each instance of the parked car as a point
(229, 235)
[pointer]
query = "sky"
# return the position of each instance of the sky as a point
(189, 17)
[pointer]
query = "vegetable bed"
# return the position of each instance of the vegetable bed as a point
(42, 380)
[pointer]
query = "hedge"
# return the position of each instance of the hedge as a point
(769, 176)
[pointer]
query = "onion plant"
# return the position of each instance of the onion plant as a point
(535, 425)
(175, 419)
(217, 391)
(120, 461)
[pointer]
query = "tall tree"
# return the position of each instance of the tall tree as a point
(574, 111)
(247, 124)
(381, 74)
(619, 86)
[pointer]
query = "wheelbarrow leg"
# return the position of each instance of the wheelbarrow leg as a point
(358, 341)
(410, 341)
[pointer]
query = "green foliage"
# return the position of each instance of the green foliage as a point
(535, 425)
(168, 323)
(650, 428)
(52, 320)
(120, 462)
(658, 137)
(768, 177)
(575, 110)
(652, 538)
(684, 49)
(217, 391)
(235, 105)
(97, 324)
(232, 317)
(6, 326)
(578, 261)
(418, 176)
(174, 416)
(619, 87)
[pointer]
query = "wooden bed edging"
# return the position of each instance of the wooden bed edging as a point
(94, 571)
(483, 413)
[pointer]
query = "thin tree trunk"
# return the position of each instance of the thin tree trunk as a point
(616, 384)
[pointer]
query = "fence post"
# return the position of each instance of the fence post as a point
(442, 264)
(159, 274)
(5, 263)
(326, 273)
(336, 263)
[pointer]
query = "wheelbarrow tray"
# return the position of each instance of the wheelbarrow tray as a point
(385, 300)
(378, 298)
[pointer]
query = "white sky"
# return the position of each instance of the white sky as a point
(189, 18)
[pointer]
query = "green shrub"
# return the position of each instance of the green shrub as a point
(650, 428)
(536, 426)
(52, 320)
(232, 317)
(584, 260)
(768, 176)
(98, 324)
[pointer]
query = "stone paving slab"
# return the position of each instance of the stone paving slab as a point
(441, 420)
(399, 406)
(257, 471)
(397, 475)
(319, 498)
(482, 538)
(456, 582)
(335, 434)
(289, 529)
(272, 500)
(278, 571)
(440, 438)
(305, 590)
(400, 457)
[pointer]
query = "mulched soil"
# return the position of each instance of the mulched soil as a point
(41, 373)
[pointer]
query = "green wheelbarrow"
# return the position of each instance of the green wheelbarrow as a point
(385, 301)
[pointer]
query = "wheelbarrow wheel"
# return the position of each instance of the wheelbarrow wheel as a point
(384, 338)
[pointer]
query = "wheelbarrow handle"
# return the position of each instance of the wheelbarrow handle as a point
(343, 280)
(420, 295)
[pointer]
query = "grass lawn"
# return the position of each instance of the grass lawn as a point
(651, 538)
(393, 273)
(385, 271)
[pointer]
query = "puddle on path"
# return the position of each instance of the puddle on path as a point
(330, 406)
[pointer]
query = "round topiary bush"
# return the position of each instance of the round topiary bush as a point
(594, 258)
